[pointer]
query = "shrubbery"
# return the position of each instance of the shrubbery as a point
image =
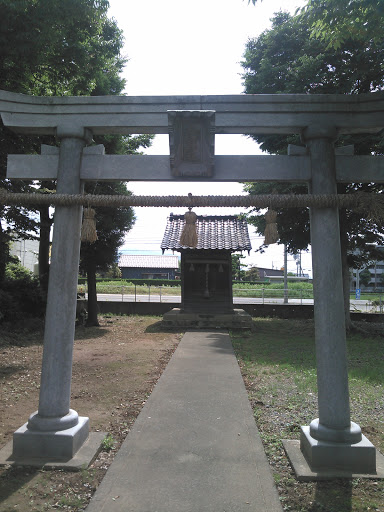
(20, 294)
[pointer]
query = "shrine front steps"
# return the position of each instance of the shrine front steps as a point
(235, 319)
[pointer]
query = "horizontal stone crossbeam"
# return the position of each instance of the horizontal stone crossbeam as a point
(247, 114)
(361, 169)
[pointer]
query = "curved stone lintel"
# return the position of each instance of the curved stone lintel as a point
(242, 113)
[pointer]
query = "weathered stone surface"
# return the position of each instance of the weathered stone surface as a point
(361, 168)
(304, 472)
(192, 142)
(239, 319)
(83, 457)
(356, 458)
(246, 113)
(60, 445)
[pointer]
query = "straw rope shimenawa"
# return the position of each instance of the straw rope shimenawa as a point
(88, 229)
(271, 234)
(188, 236)
(372, 204)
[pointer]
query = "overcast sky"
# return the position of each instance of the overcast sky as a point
(180, 47)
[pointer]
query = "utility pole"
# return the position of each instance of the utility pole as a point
(285, 275)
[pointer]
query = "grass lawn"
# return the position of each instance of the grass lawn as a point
(277, 361)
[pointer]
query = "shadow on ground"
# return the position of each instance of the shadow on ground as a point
(14, 478)
(335, 495)
(160, 327)
(87, 333)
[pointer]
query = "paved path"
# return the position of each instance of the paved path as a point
(195, 446)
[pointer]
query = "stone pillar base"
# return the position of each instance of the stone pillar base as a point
(50, 445)
(326, 455)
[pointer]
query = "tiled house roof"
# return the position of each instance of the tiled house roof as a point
(142, 261)
(213, 232)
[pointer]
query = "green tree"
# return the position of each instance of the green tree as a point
(66, 47)
(51, 47)
(238, 272)
(285, 59)
(20, 295)
(337, 21)
(252, 274)
(112, 223)
(365, 277)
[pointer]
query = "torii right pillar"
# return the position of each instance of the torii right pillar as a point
(332, 441)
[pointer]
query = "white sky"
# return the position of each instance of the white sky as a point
(180, 47)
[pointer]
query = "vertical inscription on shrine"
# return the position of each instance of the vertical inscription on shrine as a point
(191, 141)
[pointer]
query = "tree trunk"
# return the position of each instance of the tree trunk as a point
(45, 228)
(92, 296)
(345, 270)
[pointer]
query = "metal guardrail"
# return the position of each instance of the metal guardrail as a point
(286, 295)
(265, 295)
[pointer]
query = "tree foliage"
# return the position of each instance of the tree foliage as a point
(111, 223)
(285, 59)
(252, 274)
(20, 294)
(365, 277)
(337, 21)
(58, 47)
(51, 47)
(62, 48)
(238, 272)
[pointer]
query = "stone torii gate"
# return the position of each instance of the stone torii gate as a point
(55, 432)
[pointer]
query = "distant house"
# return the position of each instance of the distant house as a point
(27, 252)
(264, 273)
(376, 277)
(148, 267)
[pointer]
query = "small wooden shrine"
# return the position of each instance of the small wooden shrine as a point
(206, 269)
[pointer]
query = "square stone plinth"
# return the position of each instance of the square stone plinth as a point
(81, 460)
(319, 460)
(305, 473)
(357, 458)
(59, 445)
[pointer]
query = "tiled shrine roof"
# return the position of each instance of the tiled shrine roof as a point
(213, 232)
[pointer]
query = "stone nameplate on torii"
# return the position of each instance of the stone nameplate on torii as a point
(192, 143)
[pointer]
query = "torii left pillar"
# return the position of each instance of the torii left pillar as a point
(56, 432)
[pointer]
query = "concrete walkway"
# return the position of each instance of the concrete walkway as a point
(195, 446)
